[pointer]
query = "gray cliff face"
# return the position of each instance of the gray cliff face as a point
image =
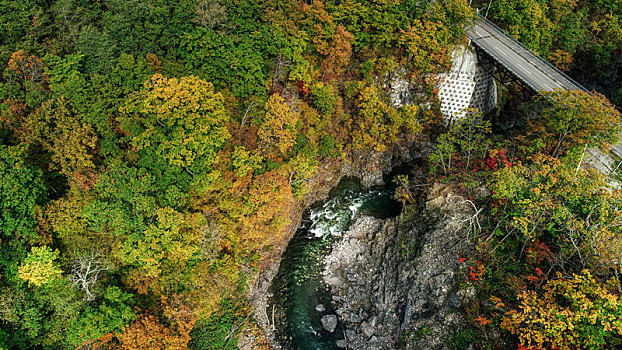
(396, 287)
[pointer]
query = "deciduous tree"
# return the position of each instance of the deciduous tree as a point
(575, 118)
(579, 312)
(40, 266)
(574, 207)
(182, 119)
(58, 128)
(110, 316)
(377, 124)
(21, 190)
(27, 68)
(210, 13)
(86, 272)
(278, 130)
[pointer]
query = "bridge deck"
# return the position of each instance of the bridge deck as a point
(526, 65)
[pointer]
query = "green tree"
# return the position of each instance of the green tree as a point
(130, 73)
(93, 100)
(210, 54)
(21, 190)
(373, 23)
(607, 32)
(164, 248)
(301, 170)
(125, 197)
(527, 21)
(552, 201)
(471, 134)
(574, 118)
(98, 47)
(466, 139)
(112, 315)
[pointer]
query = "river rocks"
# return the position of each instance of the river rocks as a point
(367, 329)
(329, 322)
(397, 287)
(320, 308)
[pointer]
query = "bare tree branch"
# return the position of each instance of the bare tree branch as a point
(86, 272)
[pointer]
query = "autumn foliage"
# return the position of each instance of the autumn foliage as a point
(169, 330)
(154, 155)
(575, 118)
(578, 312)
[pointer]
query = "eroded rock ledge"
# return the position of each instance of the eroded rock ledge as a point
(397, 286)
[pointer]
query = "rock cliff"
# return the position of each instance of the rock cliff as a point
(396, 286)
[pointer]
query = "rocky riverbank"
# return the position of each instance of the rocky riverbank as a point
(397, 286)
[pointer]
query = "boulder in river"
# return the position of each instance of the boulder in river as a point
(329, 322)
(320, 308)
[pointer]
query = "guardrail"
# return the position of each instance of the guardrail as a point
(540, 59)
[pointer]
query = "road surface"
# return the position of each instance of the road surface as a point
(530, 68)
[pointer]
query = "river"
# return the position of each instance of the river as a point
(298, 287)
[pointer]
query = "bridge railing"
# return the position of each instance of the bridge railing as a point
(542, 60)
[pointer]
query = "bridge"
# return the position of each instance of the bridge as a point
(494, 57)
(507, 53)
(513, 62)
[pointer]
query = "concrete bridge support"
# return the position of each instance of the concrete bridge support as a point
(467, 85)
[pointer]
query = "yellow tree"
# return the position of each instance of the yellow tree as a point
(40, 267)
(278, 131)
(377, 124)
(57, 127)
(69, 224)
(183, 120)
